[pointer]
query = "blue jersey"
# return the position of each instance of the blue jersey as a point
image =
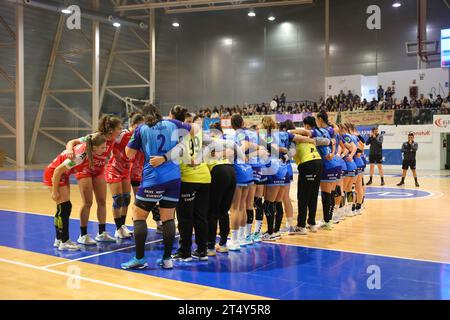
(324, 151)
(358, 161)
(244, 171)
(252, 136)
(157, 141)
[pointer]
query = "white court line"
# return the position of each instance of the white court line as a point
(99, 254)
(297, 245)
(105, 283)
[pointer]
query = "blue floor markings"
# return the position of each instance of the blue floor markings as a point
(268, 270)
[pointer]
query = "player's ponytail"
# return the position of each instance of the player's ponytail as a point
(93, 140)
(107, 124)
(152, 115)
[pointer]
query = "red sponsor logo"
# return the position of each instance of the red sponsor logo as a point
(441, 123)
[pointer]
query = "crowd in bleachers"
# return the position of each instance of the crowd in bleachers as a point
(386, 100)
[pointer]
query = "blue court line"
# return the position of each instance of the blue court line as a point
(269, 270)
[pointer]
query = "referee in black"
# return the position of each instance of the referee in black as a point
(409, 150)
(376, 154)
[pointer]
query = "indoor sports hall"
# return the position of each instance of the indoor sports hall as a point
(377, 71)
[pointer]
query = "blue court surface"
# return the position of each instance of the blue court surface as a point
(269, 270)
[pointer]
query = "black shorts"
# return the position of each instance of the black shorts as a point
(376, 159)
(409, 164)
(135, 183)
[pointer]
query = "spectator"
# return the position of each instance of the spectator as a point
(283, 100)
(380, 93)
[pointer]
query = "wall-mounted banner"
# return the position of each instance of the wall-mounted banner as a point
(366, 118)
(399, 134)
(441, 123)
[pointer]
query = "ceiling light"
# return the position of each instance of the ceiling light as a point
(116, 24)
(396, 4)
(251, 13)
(175, 24)
(271, 18)
(66, 11)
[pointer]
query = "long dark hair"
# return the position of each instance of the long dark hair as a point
(152, 115)
(324, 116)
(179, 113)
(237, 122)
(136, 118)
(93, 140)
(310, 121)
(287, 125)
(107, 124)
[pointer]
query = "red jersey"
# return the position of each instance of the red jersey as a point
(79, 162)
(137, 167)
(119, 161)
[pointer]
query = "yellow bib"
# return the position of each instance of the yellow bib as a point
(306, 152)
(199, 172)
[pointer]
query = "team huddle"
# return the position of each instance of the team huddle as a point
(231, 178)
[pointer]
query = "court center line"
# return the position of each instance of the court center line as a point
(105, 283)
(100, 254)
(289, 244)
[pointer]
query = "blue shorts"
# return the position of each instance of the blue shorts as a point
(359, 166)
(343, 166)
(168, 191)
(244, 174)
(258, 178)
(276, 181)
(330, 174)
(350, 170)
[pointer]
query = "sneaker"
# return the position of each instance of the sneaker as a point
(182, 257)
(248, 240)
(134, 264)
(122, 233)
(104, 237)
(165, 263)
(56, 243)
(417, 184)
(68, 245)
(299, 231)
(369, 182)
(269, 237)
(314, 228)
(256, 237)
(278, 235)
(382, 183)
(328, 226)
(222, 249)
(285, 231)
(358, 212)
(234, 246)
(127, 230)
(402, 183)
(202, 256)
(159, 229)
(211, 253)
(86, 240)
(336, 218)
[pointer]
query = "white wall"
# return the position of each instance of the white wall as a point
(333, 85)
(369, 83)
(434, 81)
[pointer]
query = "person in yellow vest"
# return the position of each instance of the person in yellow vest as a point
(309, 164)
(192, 209)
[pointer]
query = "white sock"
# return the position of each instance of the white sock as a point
(234, 235)
(248, 230)
(290, 221)
(241, 233)
(258, 226)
